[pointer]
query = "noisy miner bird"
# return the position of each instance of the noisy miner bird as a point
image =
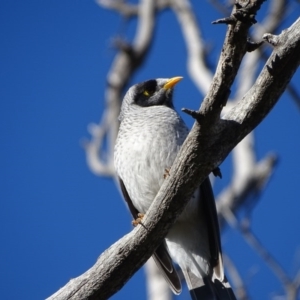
(150, 136)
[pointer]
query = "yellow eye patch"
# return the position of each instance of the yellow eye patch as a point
(148, 93)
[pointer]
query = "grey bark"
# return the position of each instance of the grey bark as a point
(209, 142)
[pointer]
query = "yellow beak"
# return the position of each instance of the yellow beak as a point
(172, 82)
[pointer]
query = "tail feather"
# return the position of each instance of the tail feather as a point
(164, 263)
(210, 290)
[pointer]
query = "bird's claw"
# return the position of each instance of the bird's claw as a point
(167, 172)
(138, 220)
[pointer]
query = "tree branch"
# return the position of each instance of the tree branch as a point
(196, 64)
(126, 62)
(239, 287)
(207, 145)
(291, 287)
(125, 9)
(157, 286)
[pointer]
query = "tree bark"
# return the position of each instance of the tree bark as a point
(208, 144)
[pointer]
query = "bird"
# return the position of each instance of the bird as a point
(150, 135)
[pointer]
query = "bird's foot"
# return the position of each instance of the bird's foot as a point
(167, 172)
(138, 220)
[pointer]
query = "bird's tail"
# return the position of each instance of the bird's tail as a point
(208, 288)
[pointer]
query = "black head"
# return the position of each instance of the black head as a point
(155, 92)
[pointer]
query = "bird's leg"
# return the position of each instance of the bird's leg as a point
(138, 220)
(167, 172)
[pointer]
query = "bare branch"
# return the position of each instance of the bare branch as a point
(120, 6)
(93, 148)
(249, 175)
(157, 287)
(239, 287)
(248, 181)
(204, 149)
(276, 64)
(197, 67)
(291, 287)
(125, 63)
(247, 172)
(250, 64)
(274, 18)
(236, 37)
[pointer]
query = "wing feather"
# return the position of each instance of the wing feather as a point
(161, 255)
(209, 206)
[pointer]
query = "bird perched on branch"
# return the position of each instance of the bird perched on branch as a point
(150, 136)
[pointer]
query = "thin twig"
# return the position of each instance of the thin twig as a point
(238, 284)
(291, 287)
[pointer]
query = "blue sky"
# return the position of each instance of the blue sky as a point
(56, 216)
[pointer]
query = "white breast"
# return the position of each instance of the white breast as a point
(148, 142)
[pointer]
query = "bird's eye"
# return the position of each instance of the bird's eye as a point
(147, 93)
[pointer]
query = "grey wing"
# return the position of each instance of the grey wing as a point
(131, 207)
(161, 255)
(164, 263)
(209, 206)
(216, 287)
